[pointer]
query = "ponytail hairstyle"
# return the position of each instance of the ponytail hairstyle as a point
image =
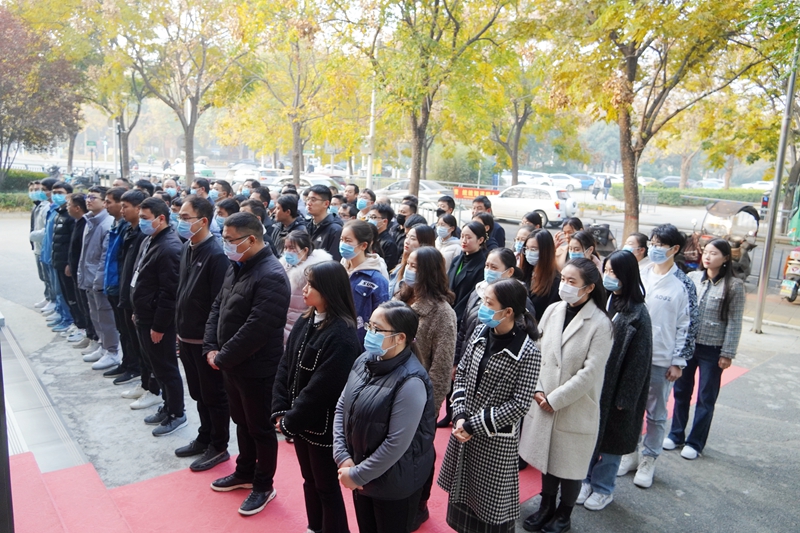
(479, 230)
(509, 260)
(591, 275)
(363, 232)
(511, 293)
(726, 271)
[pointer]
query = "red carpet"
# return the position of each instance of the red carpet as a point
(75, 499)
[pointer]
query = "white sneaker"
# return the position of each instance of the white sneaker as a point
(629, 462)
(94, 356)
(597, 501)
(134, 393)
(645, 472)
(148, 399)
(93, 346)
(108, 360)
(586, 491)
(76, 336)
(668, 444)
(39, 305)
(49, 306)
(69, 331)
(689, 453)
(53, 318)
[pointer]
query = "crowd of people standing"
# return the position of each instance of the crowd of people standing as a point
(346, 325)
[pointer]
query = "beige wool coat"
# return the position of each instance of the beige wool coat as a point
(573, 367)
(436, 344)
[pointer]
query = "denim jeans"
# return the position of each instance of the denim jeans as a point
(603, 473)
(706, 358)
(61, 303)
(656, 411)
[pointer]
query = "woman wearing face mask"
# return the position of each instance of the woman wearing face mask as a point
(626, 382)
(569, 227)
(539, 271)
(369, 279)
(636, 243)
(488, 223)
(493, 391)
(560, 431)
(417, 237)
(720, 299)
(298, 255)
(583, 245)
(446, 242)
(467, 269)
(385, 424)
(425, 291)
(519, 243)
(311, 375)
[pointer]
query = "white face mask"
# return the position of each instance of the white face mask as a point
(569, 293)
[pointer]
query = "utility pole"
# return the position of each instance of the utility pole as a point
(769, 240)
(371, 155)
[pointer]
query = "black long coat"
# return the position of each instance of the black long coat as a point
(626, 383)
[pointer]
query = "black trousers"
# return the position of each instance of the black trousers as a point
(385, 516)
(207, 388)
(83, 305)
(131, 355)
(570, 489)
(425, 495)
(70, 296)
(323, 495)
(250, 401)
(164, 362)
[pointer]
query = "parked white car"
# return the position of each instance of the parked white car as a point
(553, 204)
(428, 190)
(759, 185)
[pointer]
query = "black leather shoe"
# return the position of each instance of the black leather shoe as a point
(422, 516)
(560, 523)
(256, 502)
(210, 458)
(547, 509)
(191, 449)
(231, 482)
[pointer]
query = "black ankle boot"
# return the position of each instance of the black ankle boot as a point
(560, 523)
(547, 509)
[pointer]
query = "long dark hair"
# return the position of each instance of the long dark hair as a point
(508, 259)
(543, 275)
(591, 275)
(401, 318)
(426, 235)
(626, 270)
(478, 229)
(487, 219)
(726, 271)
(511, 293)
(330, 279)
(431, 282)
(364, 232)
(574, 222)
(587, 241)
(302, 240)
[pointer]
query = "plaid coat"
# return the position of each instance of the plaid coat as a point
(483, 473)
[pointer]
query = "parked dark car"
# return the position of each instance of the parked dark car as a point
(675, 182)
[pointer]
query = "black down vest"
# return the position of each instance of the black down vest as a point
(62, 235)
(371, 387)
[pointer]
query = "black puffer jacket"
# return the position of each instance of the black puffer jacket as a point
(153, 296)
(202, 271)
(279, 233)
(62, 238)
(326, 235)
(75, 247)
(309, 382)
(247, 318)
(128, 256)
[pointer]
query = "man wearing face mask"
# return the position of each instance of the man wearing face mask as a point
(671, 300)
(287, 220)
(172, 188)
(244, 339)
(203, 265)
(366, 199)
(153, 293)
(406, 209)
(63, 225)
(379, 216)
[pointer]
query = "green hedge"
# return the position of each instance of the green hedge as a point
(17, 180)
(15, 201)
(674, 196)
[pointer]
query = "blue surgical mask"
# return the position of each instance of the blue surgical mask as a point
(361, 204)
(442, 231)
(628, 248)
(192, 191)
(373, 221)
(292, 258)
(59, 199)
(490, 276)
(373, 343)
(611, 284)
(409, 277)
(346, 250)
(576, 255)
(41, 196)
(173, 217)
(486, 316)
(271, 204)
(246, 192)
(532, 257)
(185, 229)
(231, 250)
(214, 194)
(657, 254)
(172, 191)
(220, 221)
(333, 210)
(33, 196)
(147, 226)
(518, 246)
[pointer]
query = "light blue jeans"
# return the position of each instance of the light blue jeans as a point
(603, 473)
(656, 411)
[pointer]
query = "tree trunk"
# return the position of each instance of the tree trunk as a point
(350, 171)
(275, 157)
(726, 178)
(425, 150)
(188, 134)
(71, 151)
(629, 162)
(686, 167)
(297, 152)
(419, 127)
(125, 151)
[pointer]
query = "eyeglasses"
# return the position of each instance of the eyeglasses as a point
(313, 199)
(375, 218)
(91, 197)
(371, 327)
(231, 241)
